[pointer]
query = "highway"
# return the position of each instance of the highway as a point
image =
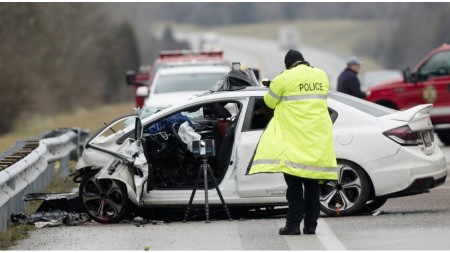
(269, 58)
(420, 222)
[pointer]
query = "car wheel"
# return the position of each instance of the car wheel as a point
(347, 195)
(373, 205)
(104, 200)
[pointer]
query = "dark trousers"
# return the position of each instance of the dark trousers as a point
(299, 206)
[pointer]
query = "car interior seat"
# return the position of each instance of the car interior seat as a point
(223, 115)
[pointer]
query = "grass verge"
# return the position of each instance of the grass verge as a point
(91, 120)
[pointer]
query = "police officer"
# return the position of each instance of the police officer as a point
(298, 140)
(348, 81)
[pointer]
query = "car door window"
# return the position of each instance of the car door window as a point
(259, 115)
(437, 65)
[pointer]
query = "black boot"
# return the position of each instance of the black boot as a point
(309, 231)
(289, 231)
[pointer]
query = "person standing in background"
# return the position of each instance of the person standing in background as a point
(348, 81)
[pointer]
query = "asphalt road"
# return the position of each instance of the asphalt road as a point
(413, 227)
(420, 222)
(269, 58)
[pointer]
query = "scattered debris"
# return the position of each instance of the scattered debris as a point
(57, 209)
(69, 202)
(139, 221)
(50, 219)
(377, 213)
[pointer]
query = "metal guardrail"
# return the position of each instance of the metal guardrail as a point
(30, 167)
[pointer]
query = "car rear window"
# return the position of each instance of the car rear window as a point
(187, 82)
(361, 104)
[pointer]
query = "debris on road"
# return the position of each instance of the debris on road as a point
(139, 221)
(69, 202)
(50, 219)
(377, 213)
(57, 209)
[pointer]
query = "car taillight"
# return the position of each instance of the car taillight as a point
(404, 136)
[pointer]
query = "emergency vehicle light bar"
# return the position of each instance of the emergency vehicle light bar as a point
(180, 53)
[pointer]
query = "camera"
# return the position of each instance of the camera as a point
(203, 148)
(236, 66)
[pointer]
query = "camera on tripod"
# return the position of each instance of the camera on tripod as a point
(203, 148)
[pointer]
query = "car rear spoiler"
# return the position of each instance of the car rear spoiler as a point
(417, 117)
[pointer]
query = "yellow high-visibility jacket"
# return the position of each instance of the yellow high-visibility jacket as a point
(299, 138)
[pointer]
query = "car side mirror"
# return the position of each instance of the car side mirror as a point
(130, 77)
(406, 75)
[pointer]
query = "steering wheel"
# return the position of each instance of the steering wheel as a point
(175, 127)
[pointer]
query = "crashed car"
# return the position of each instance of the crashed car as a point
(147, 161)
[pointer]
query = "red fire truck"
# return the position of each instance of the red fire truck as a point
(427, 82)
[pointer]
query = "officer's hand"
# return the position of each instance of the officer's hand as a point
(265, 82)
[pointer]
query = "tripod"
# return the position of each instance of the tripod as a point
(206, 168)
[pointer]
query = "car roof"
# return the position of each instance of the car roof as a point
(259, 91)
(333, 96)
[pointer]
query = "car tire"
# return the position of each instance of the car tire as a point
(349, 194)
(373, 205)
(104, 200)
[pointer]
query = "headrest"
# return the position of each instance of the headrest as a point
(220, 111)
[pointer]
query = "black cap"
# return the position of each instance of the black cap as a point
(291, 57)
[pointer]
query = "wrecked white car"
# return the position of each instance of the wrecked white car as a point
(134, 161)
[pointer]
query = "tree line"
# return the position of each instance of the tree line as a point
(56, 57)
(415, 27)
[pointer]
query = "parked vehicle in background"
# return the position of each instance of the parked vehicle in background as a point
(427, 82)
(210, 42)
(288, 38)
(172, 85)
(148, 163)
(143, 80)
(371, 78)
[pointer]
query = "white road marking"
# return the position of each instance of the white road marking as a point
(323, 240)
(327, 237)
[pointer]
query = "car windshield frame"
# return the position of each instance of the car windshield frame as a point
(371, 108)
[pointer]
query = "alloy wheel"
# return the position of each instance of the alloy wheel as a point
(348, 194)
(105, 200)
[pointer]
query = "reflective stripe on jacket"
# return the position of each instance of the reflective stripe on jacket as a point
(299, 139)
